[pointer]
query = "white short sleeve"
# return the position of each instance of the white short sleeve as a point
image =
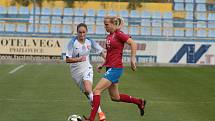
(69, 52)
(96, 47)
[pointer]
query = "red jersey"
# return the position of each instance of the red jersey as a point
(114, 44)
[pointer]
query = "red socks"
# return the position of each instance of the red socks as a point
(95, 106)
(96, 103)
(129, 99)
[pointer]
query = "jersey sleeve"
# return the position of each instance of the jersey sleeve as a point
(69, 51)
(97, 48)
(122, 36)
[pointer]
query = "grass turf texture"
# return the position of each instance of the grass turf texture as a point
(47, 93)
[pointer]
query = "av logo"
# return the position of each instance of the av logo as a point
(192, 55)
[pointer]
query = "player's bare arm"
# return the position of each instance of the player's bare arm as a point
(133, 53)
(99, 66)
(74, 60)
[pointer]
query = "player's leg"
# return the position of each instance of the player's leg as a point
(101, 85)
(114, 92)
(88, 92)
(113, 75)
(116, 96)
(87, 83)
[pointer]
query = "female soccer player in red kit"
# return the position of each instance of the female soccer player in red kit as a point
(114, 67)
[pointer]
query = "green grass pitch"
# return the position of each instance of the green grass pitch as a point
(47, 93)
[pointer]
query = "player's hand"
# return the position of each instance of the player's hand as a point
(82, 58)
(99, 68)
(133, 64)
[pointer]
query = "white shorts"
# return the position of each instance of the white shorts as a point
(79, 75)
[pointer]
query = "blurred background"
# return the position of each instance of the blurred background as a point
(167, 31)
(35, 82)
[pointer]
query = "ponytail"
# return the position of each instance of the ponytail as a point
(117, 21)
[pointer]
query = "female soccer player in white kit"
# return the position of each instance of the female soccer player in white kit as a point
(77, 55)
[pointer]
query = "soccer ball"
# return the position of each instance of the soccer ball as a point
(74, 118)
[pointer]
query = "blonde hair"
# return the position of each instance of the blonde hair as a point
(116, 20)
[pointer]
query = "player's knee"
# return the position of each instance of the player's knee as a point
(96, 92)
(86, 92)
(116, 99)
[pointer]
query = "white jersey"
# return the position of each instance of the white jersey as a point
(82, 70)
(76, 49)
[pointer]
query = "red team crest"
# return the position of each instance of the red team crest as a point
(108, 43)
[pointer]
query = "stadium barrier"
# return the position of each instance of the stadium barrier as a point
(150, 50)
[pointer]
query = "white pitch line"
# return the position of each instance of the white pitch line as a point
(16, 69)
